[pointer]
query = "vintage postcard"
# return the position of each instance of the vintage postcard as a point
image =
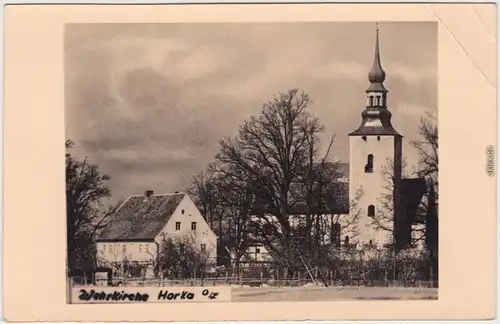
(218, 158)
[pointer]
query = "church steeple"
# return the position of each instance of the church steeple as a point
(377, 74)
(376, 118)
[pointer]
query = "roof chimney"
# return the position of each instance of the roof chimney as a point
(148, 193)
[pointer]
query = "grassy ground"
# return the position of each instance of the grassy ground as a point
(330, 294)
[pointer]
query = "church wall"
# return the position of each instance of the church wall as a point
(372, 185)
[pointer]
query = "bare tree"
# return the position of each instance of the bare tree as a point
(237, 199)
(276, 153)
(427, 148)
(384, 216)
(399, 227)
(206, 196)
(179, 258)
(86, 188)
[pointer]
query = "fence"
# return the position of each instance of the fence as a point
(352, 269)
(249, 282)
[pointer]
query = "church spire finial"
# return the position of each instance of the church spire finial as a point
(376, 118)
(377, 74)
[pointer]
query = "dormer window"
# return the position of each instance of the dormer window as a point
(369, 164)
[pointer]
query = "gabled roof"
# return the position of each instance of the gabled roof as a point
(343, 169)
(141, 218)
(334, 203)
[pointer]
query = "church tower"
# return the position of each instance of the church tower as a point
(375, 144)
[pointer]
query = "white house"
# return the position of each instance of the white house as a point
(140, 225)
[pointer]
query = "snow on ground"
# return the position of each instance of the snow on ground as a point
(247, 294)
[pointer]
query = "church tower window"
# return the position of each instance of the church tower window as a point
(371, 211)
(369, 164)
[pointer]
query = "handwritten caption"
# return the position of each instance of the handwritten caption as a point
(135, 294)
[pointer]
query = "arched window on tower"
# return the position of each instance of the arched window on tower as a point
(371, 211)
(369, 164)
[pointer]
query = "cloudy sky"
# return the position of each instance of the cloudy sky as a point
(148, 102)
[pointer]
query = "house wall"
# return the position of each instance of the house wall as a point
(257, 253)
(372, 186)
(326, 226)
(187, 213)
(131, 251)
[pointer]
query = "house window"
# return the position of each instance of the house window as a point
(369, 164)
(346, 240)
(177, 226)
(140, 247)
(124, 248)
(370, 242)
(378, 138)
(104, 247)
(203, 248)
(193, 226)
(147, 248)
(257, 250)
(371, 211)
(182, 212)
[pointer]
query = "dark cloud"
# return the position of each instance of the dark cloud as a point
(149, 102)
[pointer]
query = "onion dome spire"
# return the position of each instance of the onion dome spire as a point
(376, 118)
(377, 74)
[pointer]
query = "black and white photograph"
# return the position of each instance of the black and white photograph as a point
(251, 162)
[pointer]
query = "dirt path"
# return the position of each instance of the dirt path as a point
(330, 293)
